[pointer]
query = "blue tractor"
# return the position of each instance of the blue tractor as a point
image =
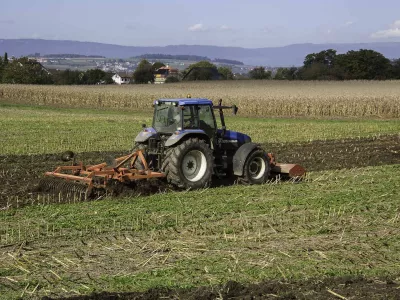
(183, 145)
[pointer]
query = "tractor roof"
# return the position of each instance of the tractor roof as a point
(188, 101)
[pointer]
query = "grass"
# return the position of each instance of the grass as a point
(339, 223)
(35, 129)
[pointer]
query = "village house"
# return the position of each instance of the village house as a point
(162, 73)
(122, 78)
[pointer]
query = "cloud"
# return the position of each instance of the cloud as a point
(197, 27)
(393, 31)
(225, 28)
(349, 23)
(396, 24)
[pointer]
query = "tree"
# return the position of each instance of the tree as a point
(157, 65)
(107, 78)
(171, 79)
(396, 69)
(1, 68)
(202, 70)
(5, 58)
(287, 73)
(143, 73)
(91, 76)
(67, 77)
(26, 71)
(226, 73)
(364, 64)
(260, 73)
(95, 76)
(325, 57)
(320, 66)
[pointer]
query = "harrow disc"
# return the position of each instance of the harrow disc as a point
(64, 187)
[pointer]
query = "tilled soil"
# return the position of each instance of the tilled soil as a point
(20, 174)
(330, 288)
(340, 154)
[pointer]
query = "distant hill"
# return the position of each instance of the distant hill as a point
(190, 58)
(62, 55)
(273, 56)
(172, 57)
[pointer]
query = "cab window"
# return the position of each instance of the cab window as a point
(206, 118)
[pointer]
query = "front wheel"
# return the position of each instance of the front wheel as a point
(190, 164)
(257, 168)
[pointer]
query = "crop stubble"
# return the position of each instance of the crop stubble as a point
(254, 98)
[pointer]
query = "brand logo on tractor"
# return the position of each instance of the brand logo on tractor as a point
(227, 141)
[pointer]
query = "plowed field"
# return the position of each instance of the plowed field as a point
(336, 288)
(20, 174)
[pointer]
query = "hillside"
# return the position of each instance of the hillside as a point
(272, 56)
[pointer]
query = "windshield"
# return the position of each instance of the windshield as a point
(167, 117)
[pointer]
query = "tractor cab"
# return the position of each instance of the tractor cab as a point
(176, 118)
(172, 115)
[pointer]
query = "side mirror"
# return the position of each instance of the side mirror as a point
(235, 109)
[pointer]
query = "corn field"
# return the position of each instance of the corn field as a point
(376, 99)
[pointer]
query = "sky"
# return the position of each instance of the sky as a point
(244, 23)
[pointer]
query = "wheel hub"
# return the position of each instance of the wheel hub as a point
(194, 165)
(189, 165)
(257, 168)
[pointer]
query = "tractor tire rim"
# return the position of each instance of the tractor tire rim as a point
(257, 168)
(194, 165)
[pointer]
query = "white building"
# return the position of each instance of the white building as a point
(122, 78)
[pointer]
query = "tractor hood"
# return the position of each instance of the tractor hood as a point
(235, 136)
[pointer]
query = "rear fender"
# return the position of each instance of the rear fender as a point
(178, 136)
(145, 134)
(239, 159)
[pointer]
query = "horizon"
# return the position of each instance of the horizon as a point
(199, 45)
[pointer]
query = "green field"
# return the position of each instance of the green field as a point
(33, 130)
(338, 222)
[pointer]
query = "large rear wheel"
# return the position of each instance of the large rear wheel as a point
(190, 164)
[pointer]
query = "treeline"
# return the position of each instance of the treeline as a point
(65, 55)
(196, 58)
(202, 70)
(28, 71)
(74, 77)
(228, 61)
(72, 56)
(325, 65)
(328, 65)
(177, 57)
